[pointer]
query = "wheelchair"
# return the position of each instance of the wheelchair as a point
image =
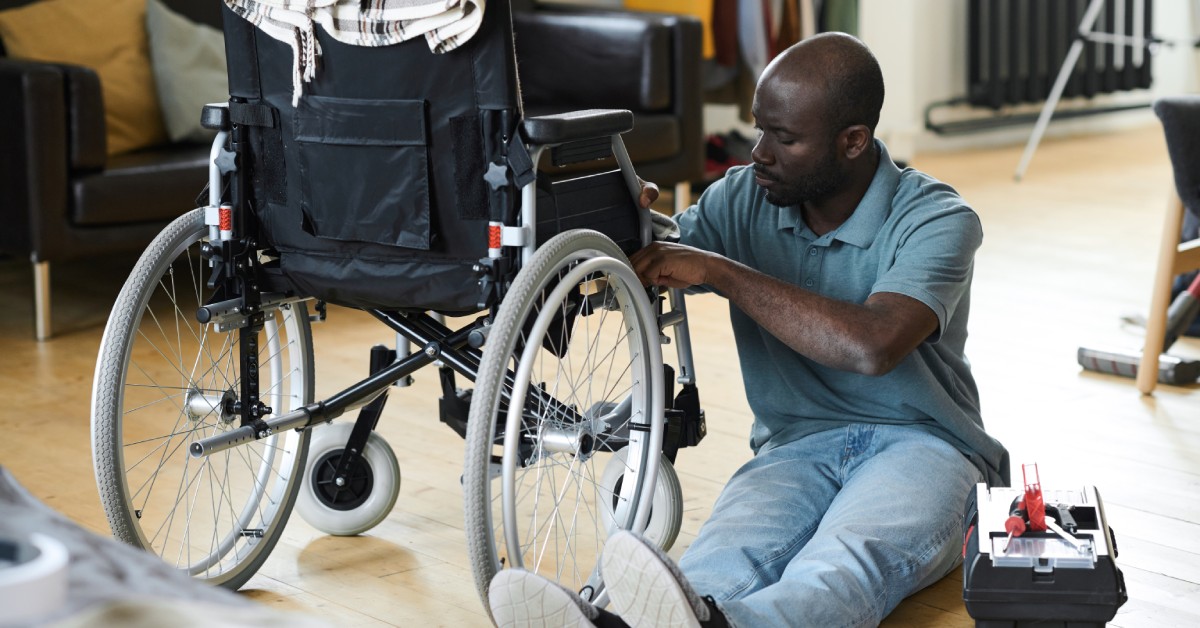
(405, 184)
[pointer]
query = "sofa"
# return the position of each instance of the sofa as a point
(74, 188)
(65, 196)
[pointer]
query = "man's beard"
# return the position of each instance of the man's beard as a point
(817, 185)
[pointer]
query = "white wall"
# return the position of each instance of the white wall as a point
(922, 48)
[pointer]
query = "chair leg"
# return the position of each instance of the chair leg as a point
(41, 300)
(683, 196)
(1156, 319)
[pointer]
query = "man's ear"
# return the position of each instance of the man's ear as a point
(857, 138)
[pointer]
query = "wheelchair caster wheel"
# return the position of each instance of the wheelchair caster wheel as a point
(666, 512)
(363, 499)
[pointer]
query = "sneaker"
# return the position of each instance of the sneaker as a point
(526, 600)
(648, 590)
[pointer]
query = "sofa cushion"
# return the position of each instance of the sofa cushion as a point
(106, 35)
(166, 182)
(188, 60)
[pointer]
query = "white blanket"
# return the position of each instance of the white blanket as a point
(114, 584)
(446, 24)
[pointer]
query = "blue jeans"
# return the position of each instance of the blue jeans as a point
(834, 529)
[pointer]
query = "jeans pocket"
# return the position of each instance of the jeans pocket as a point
(364, 169)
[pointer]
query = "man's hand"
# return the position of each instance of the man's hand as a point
(649, 193)
(672, 265)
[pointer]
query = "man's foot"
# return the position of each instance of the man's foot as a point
(648, 590)
(526, 600)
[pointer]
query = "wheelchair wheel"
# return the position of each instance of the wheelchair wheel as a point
(364, 501)
(571, 374)
(163, 381)
(666, 513)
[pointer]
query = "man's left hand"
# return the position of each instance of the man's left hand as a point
(672, 265)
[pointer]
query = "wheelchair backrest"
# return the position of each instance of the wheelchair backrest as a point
(370, 184)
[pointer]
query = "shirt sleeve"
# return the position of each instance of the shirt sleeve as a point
(935, 260)
(702, 225)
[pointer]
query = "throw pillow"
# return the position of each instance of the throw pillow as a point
(188, 60)
(108, 36)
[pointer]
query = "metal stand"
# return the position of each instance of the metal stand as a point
(1086, 34)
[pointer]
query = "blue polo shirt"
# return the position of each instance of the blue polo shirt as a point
(911, 235)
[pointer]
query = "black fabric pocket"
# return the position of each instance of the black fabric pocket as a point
(364, 170)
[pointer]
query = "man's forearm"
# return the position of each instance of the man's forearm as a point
(840, 335)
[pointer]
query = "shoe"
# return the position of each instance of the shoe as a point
(522, 599)
(648, 590)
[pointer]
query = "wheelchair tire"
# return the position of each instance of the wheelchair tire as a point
(365, 500)
(666, 514)
(577, 339)
(164, 380)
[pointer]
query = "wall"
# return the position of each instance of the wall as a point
(921, 45)
(922, 48)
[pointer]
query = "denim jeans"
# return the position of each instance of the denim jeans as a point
(834, 529)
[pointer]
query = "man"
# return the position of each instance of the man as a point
(849, 288)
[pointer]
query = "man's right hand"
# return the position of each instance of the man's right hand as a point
(673, 265)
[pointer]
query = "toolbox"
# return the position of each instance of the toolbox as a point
(1039, 558)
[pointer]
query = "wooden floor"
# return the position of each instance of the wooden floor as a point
(1066, 253)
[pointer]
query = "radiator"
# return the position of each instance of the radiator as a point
(1015, 49)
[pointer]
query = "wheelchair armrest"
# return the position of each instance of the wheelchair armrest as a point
(577, 125)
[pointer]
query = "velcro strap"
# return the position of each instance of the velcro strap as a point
(253, 115)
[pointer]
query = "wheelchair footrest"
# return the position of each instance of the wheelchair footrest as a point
(453, 411)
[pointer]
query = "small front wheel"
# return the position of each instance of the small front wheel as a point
(666, 510)
(363, 499)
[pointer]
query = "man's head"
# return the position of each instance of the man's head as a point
(816, 106)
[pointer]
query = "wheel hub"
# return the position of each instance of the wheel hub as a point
(342, 493)
(200, 405)
(568, 439)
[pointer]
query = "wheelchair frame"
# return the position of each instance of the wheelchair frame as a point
(246, 300)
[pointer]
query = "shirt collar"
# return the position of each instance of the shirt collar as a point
(862, 226)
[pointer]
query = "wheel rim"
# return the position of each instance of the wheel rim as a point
(207, 517)
(551, 496)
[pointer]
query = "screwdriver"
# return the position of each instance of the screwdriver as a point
(1015, 524)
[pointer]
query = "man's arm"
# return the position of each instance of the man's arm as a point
(871, 338)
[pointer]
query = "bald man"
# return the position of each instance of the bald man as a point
(848, 281)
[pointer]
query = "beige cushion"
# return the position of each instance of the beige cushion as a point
(189, 69)
(108, 36)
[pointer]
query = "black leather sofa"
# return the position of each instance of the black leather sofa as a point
(65, 199)
(571, 59)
